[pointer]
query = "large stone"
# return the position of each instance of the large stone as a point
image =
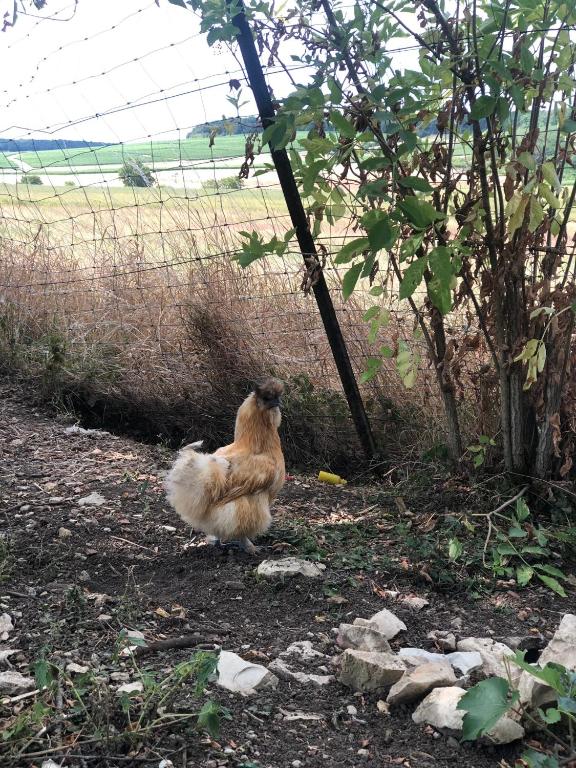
(440, 710)
(419, 681)
(284, 672)
(240, 676)
(12, 683)
(288, 567)
(369, 671)
(444, 641)
(384, 622)
(463, 661)
(362, 638)
(494, 657)
(561, 650)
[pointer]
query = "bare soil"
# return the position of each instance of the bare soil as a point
(134, 562)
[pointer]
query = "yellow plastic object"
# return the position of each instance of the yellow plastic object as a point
(328, 477)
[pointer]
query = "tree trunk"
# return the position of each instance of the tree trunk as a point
(556, 369)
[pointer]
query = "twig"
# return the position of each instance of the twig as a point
(187, 641)
(488, 516)
(134, 544)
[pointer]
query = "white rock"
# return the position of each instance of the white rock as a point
(446, 641)
(76, 430)
(284, 672)
(165, 764)
(385, 622)
(64, 533)
(505, 731)
(439, 709)
(241, 676)
(419, 681)
(94, 499)
(12, 682)
(136, 687)
(169, 528)
(362, 638)
(76, 669)
(288, 567)
(5, 654)
(6, 626)
(462, 661)
(562, 650)
(493, 655)
(303, 649)
(415, 603)
(369, 671)
(50, 764)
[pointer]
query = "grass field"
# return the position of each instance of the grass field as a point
(5, 162)
(150, 152)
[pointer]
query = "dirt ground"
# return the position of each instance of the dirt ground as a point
(73, 576)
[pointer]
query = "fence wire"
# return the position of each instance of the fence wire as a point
(143, 283)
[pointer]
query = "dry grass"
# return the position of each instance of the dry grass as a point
(136, 317)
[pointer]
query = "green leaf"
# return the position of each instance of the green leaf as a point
(43, 673)
(534, 759)
(180, 3)
(551, 674)
(375, 163)
(373, 365)
(351, 249)
(551, 570)
(209, 718)
(549, 196)
(536, 214)
(527, 160)
(485, 704)
(406, 365)
(550, 175)
(551, 716)
(522, 510)
(455, 549)
(532, 549)
(517, 533)
(552, 583)
(506, 549)
(343, 126)
(350, 279)
(523, 574)
(420, 213)
(484, 106)
(371, 313)
(416, 183)
(412, 277)
(381, 235)
(376, 290)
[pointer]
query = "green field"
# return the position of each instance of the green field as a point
(5, 162)
(150, 152)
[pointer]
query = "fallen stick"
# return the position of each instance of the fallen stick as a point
(187, 641)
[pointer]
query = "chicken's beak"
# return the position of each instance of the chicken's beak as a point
(275, 403)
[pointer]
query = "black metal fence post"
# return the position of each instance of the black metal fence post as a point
(304, 236)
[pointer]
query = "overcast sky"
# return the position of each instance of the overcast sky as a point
(57, 75)
(144, 69)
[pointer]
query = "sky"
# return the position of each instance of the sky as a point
(110, 71)
(58, 75)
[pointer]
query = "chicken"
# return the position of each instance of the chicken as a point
(227, 494)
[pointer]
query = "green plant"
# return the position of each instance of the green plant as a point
(83, 708)
(489, 700)
(134, 173)
(462, 185)
(30, 178)
(521, 549)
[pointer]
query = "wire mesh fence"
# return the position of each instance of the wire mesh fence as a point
(133, 292)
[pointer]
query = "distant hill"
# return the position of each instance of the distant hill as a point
(38, 145)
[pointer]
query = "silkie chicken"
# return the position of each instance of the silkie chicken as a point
(227, 494)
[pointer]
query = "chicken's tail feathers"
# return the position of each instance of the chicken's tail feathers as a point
(192, 446)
